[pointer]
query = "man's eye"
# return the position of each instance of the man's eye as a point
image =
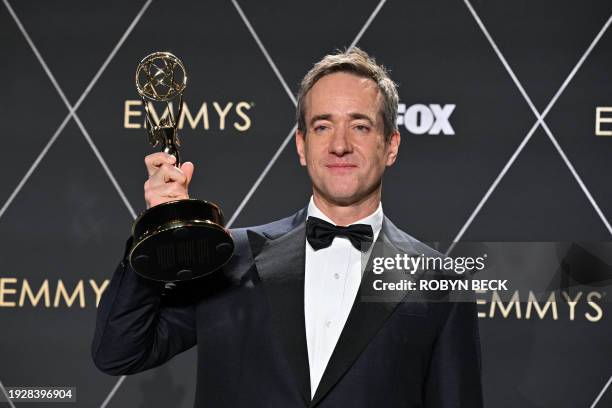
(362, 128)
(320, 128)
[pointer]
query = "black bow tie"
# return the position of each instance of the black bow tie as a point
(321, 233)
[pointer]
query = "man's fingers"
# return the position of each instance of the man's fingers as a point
(166, 182)
(156, 160)
(173, 190)
(160, 193)
(167, 173)
(166, 191)
(187, 169)
(172, 173)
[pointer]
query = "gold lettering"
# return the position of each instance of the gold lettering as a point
(481, 315)
(128, 113)
(247, 121)
(153, 112)
(26, 290)
(6, 291)
(550, 303)
(98, 289)
(572, 303)
(61, 291)
(222, 113)
(595, 306)
(599, 119)
(505, 311)
(193, 122)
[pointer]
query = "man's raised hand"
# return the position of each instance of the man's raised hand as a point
(166, 182)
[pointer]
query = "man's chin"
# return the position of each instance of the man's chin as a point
(344, 192)
(342, 198)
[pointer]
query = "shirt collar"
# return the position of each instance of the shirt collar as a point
(374, 220)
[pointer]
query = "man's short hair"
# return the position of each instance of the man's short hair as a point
(357, 62)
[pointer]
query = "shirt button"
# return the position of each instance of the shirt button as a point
(336, 275)
(328, 323)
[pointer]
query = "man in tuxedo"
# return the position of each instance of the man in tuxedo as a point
(282, 324)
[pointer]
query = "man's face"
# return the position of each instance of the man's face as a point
(344, 147)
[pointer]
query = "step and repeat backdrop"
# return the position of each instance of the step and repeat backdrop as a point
(506, 121)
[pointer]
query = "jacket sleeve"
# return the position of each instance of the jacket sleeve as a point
(136, 329)
(454, 377)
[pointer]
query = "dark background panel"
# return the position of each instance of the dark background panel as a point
(65, 228)
(538, 200)
(572, 121)
(224, 66)
(296, 35)
(68, 223)
(31, 110)
(543, 40)
(75, 38)
(440, 56)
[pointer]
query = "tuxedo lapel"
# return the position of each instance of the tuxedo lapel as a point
(365, 318)
(280, 262)
(279, 256)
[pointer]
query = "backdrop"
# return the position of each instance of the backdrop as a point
(505, 115)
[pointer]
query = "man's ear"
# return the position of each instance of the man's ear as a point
(300, 142)
(393, 146)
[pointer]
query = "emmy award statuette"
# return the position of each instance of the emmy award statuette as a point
(181, 239)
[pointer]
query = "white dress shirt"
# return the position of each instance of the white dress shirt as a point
(331, 281)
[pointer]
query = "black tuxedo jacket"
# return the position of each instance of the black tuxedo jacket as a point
(248, 324)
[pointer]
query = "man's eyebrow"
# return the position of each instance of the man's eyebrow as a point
(357, 115)
(325, 116)
(354, 115)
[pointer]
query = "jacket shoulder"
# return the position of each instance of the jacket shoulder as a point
(272, 229)
(402, 239)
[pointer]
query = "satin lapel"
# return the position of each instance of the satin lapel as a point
(280, 264)
(364, 321)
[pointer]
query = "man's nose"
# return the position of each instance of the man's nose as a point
(340, 143)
